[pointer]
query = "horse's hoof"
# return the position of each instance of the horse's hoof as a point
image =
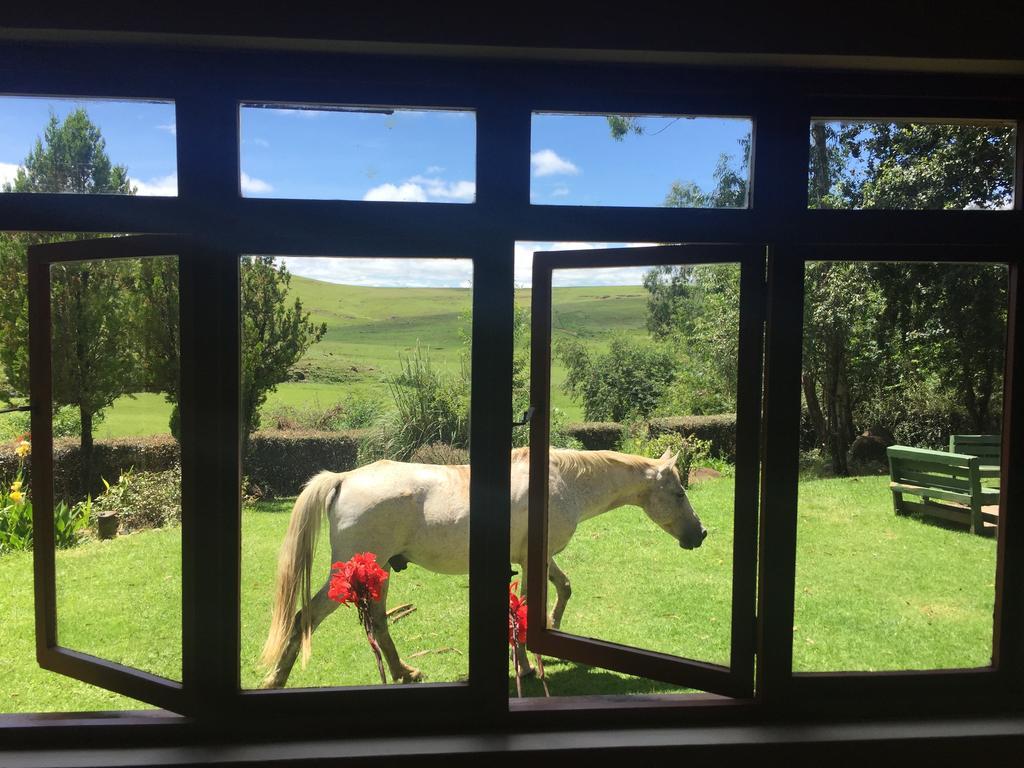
(412, 675)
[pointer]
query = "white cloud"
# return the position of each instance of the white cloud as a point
(384, 273)
(423, 189)
(7, 172)
(171, 128)
(523, 273)
(164, 186)
(560, 192)
(456, 273)
(434, 169)
(546, 162)
(405, 193)
(252, 185)
(439, 189)
(261, 142)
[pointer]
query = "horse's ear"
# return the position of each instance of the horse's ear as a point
(667, 461)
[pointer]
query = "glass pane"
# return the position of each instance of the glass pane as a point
(87, 146)
(348, 362)
(900, 362)
(640, 160)
(918, 164)
(118, 501)
(324, 152)
(643, 362)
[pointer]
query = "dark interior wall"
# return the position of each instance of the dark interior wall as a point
(911, 29)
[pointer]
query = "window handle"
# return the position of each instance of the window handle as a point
(17, 408)
(527, 415)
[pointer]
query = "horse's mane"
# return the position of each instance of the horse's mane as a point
(584, 462)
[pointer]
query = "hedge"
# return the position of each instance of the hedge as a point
(278, 462)
(720, 430)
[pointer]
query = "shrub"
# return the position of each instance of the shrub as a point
(439, 453)
(430, 407)
(638, 439)
(626, 382)
(353, 412)
(142, 500)
(718, 430)
(280, 463)
(595, 435)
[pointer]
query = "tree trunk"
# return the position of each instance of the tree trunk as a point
(814, 410)
(85, 451)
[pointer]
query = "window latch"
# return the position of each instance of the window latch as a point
(527, 415)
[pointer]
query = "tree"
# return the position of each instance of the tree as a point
(274, 334)
(629, 381)
(94, 358)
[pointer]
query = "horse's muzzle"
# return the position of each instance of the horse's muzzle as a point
(696, 541)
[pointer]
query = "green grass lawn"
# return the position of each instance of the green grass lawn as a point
(873, 592)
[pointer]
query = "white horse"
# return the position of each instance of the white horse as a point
(419, 513)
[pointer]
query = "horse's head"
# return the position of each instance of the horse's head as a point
(667, 505)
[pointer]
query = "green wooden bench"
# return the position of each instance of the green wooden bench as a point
(988, 448)
(948, 485)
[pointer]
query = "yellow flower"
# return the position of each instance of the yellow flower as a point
(17, 497)
(16, 486)
(24, 449)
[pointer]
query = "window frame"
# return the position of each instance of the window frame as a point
(735, 679)
(208, 208)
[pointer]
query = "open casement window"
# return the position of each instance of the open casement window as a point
(950, 291)
(729, 669)
(75, 290)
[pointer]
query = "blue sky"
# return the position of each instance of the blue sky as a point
(408, 155)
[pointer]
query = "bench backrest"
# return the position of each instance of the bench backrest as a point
(987, 447)
(934, 469)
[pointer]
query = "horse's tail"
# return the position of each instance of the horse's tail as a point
(295, 568)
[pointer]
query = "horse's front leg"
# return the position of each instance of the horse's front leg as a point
(379, 618)
(563, 591)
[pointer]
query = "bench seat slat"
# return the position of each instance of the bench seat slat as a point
(929, 480)
(931, 492)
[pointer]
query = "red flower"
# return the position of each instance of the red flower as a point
(358, 580)
(516, 616)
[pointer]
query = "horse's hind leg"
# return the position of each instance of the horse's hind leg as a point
(563, 590)
(379, 618)
(320, 607)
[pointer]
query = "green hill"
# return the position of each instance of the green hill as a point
(368, 328)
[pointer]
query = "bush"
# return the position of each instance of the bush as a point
(596, 435)
(354, 412)
(280, 463)
(718, 430)
(439, 453)
(430, 407)
(641, 440)
(142, 500)
(628, 381)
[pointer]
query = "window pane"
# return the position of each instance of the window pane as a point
(87, 146)
(899, 360)
(632, 380)
(97, 580)
(377, 370)
(321, 152)
(640, 160)
(118, 502)
(911, 165)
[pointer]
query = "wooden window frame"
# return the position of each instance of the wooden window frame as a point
(207, 88)
(737, 678)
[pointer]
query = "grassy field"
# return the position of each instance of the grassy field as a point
(367, 329)
(873, 592)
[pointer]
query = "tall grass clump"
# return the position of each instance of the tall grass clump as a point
(430, 406)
